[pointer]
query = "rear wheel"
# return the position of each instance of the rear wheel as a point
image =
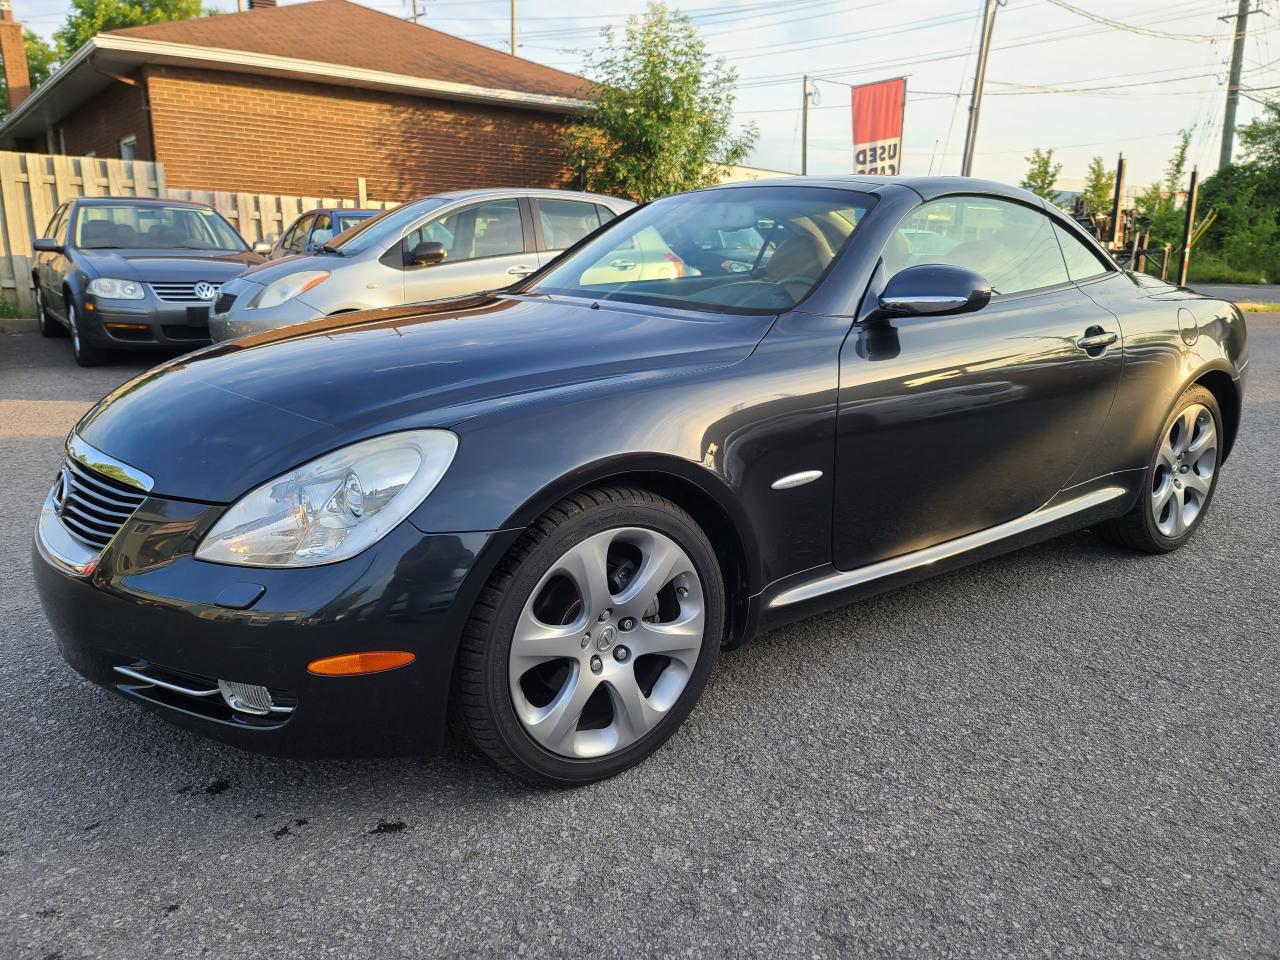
(593, 639)
(86, 355)
(1179, 481)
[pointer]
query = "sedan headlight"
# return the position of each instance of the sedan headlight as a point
(333, 507)
(116, 289)
(286, 288)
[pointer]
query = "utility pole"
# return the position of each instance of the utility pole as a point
(804, 128)
(1189, 226)
(414, 3)
(1115, 229)
(1233, 85)
(979, 78)
(513, 29)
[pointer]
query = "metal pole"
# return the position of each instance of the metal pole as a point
(1233, 85)
(804, 128)
(415, 10)
(1142, 259)
(979, 78)
(1193, 193)
(1115, 231)
(513, 28)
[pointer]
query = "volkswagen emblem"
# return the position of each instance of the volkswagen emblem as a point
(205, 291)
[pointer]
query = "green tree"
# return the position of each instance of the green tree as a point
(1158, 206)
(40, 61)
(660, 118)
(90, 17)
(1099, 187)
(1261, 138)
(1042, 174)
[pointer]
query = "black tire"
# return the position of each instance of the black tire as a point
(482, 700)
(86, 355)
(49, 327)
(1138, 529)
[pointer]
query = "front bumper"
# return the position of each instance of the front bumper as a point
(239, 321)
(149, 606)
(150, 322)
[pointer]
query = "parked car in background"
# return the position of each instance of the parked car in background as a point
(447, 245)
(315, 228)
(122, 272)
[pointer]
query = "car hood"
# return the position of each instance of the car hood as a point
(272, 270)
(213, 424)
(162, 265)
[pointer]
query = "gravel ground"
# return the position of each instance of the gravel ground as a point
(1067, 752)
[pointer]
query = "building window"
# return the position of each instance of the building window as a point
(128, 147)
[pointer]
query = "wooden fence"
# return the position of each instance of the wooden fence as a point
(32, 185)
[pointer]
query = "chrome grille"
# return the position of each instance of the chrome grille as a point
(183, 291)
(94, 506)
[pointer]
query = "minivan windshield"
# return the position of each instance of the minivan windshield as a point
(384, 229)
(733, 250)
(151, 226)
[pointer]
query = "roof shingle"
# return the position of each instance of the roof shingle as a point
(348, 34)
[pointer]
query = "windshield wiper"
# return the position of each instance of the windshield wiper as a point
(325, 248)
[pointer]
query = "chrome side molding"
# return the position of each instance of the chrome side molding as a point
(108, 466)
(795, 479)
(843, 579)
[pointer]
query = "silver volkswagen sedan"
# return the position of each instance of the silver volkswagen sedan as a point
(441, 246)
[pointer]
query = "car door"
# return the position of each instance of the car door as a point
(43, 260)
(294, 240)
(486, 247)
(52, 268)
(948, 425)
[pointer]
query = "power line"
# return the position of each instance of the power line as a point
(1129, 27)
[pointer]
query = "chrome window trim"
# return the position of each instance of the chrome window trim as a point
(107, 465)
(840, 580)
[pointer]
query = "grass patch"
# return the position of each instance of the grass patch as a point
(1248, 307)
(11, 311)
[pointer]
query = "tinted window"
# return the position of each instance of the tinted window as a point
(387, 228)
(565, 222)
(1082, 263)
(780, 242)
(490, 229)
(56, 225)
(151, 226)
(321, 230)
(1011, 246)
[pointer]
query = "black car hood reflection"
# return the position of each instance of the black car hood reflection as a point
(172, 265)
(214, 424)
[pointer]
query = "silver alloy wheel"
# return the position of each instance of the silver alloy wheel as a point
(1184, 470)
(628, 618)
(73, 326)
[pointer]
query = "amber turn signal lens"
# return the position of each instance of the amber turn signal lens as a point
(351, 664)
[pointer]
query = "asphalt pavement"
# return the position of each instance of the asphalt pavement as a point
(1240, 292)
(1070, 751)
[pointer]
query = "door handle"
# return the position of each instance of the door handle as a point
(519, 271)
(1096, 341)
(622, 264)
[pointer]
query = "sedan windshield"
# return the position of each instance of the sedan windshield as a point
(734, 250)
(154, 227)
(384, 229)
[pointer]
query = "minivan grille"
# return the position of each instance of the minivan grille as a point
(94, 506)
(182, 291)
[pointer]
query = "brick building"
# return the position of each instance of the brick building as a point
(304, 99)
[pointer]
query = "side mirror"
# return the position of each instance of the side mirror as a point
(262, 248)
(427, 253)
(934, 289)
(47, 245)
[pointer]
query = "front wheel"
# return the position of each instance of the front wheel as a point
(86, 355)
(1180, 480)
(49, 327)
(592, 640)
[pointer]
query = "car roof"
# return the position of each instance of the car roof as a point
(928, 188)
(523, 192)
(139, 202)
(368, 211)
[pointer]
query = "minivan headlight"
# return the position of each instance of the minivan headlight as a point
(115, 289)
(286, 288)
(333, 507)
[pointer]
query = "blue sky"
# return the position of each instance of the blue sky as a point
(1056, 78)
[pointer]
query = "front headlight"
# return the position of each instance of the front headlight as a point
(333, 507)
(286, 288)
(116, 289)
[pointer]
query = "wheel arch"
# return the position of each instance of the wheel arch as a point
(703, 495)
(1223, 387)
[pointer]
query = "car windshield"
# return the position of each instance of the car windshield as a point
(384, 229)
(154, 227)
(345, 221)
(735, 250)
